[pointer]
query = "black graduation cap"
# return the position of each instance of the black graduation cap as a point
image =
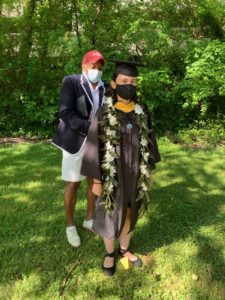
(126, 67)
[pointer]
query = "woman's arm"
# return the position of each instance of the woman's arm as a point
(97, 188)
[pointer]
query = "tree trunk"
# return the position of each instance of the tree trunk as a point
(98, 12)
(75, 10)
(26, 43)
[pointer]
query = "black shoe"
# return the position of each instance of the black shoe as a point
(137, 262)
(111, 270)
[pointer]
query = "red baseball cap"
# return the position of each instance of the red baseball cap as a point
(92, 57)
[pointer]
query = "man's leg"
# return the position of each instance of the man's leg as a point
(70, 197)
(88, 222)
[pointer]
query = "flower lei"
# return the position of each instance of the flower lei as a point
(111, 124)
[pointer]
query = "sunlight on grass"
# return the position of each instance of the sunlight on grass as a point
(181, 239)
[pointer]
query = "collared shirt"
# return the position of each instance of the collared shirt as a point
(95, 95)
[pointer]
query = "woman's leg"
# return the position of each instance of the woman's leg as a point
(109, 247)
(125, 237)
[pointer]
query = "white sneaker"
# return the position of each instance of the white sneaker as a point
(88, 224)
(72, 236)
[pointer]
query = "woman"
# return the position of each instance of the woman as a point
(120, 152)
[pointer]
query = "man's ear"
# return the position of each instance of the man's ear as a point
(113, 84)
(84, 68)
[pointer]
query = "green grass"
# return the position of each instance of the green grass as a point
(184, 232)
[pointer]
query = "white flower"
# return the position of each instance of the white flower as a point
(144, 142)
(109, 101)
(112, 120)
(144, 187)
(138, 110)
(110, 188)
(146, 155)
(112, 170)
(144, 170)
(107, 165)
(110, 132)
(108, 146)
(108, 157)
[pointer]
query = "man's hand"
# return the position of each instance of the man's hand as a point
(97, 188)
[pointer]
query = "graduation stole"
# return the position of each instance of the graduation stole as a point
(125, 107)
(110, 124)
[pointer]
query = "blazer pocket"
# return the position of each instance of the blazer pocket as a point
(81, 106)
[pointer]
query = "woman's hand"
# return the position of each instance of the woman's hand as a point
(97, 188)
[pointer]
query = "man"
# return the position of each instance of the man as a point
(81, 95)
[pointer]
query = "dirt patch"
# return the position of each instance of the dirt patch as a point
(22, 140)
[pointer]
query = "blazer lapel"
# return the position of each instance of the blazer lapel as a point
(86, 88)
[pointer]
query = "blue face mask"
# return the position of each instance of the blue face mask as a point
(94, 75)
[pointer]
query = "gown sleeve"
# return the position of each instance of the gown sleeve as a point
(91, 163)
(153, 146)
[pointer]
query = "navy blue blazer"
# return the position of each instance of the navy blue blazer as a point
(75, 111)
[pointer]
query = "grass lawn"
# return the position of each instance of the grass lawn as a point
(182, 239)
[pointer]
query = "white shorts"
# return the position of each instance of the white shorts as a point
(71, 165)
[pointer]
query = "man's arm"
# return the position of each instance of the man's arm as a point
(68, 111)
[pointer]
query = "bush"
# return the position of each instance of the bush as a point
(209, 135)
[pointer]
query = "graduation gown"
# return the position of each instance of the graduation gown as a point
(128, 153)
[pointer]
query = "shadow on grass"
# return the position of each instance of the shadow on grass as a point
(32, 214)
(190, 199)
(187, 196)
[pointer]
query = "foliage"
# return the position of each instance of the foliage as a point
(182, 43)
(203, 86)
(209, 135)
